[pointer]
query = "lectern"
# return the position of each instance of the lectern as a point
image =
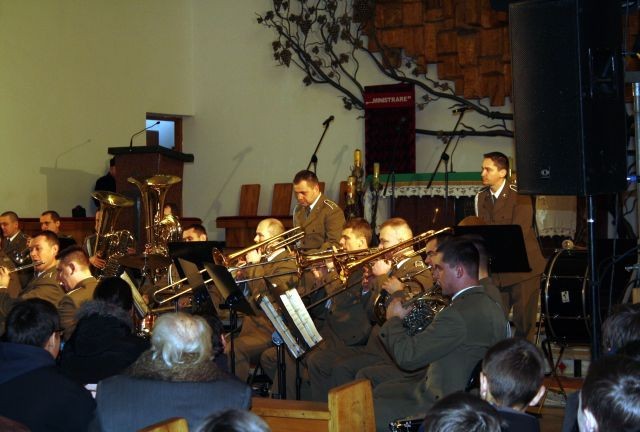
(142, 162)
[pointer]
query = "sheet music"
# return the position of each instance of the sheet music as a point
(277, 321)
(300, 316)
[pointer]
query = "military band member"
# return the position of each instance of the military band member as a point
(319, 217)
(15, 245)
(499, 204)
(75, 275)
(195, 232)
(44, 285)
(255, 335)
(451, 345)
(50, 221)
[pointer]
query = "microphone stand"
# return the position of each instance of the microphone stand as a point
(445, 157)
(314, 157)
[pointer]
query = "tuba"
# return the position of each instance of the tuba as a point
(158, 229)
(111, 244)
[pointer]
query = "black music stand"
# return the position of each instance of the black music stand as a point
(233, 299)
(195, 252)
(505, 246)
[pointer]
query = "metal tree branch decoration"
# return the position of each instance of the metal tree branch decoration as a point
(326, 40)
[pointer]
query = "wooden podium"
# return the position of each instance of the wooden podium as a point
(141, 163)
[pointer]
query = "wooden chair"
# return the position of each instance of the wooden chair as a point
(281, 201)
(174, 424)
(350, 408)
(249, 198)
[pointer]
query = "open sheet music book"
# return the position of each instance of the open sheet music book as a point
(292, 321)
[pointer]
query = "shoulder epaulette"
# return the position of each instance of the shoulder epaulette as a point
(513, 187)
(330, 204)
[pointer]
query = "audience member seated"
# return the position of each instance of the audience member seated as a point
(32, 390)
(103, 343)
(610, 396)
(177, 377)
(511, 379)
(619, 329)
(234, 421)
(462, 412)
(75, 275)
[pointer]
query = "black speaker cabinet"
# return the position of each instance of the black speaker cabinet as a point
(568, 96)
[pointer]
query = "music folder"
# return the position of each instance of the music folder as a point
(505, 246)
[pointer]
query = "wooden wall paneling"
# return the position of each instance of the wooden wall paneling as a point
(412, 13)
(472, 12)
(431, 30)
(471, 82)
(491, 42)
(392, 14)
(468, 47)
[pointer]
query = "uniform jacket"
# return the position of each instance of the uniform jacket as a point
(45, 287)
(452, 345)
(511, 208)
(18, 245)
(323, 225)
(71, 301)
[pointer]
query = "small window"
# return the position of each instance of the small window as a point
(167, 134)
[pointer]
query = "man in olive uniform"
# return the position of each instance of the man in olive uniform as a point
(450, 346)
(319, 217)
(500, 204)
(386, 279)
(44, 284)
(15, 245)
(257, 330)
(74, 273)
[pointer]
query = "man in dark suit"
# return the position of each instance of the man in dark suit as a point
(451, 346)
(500, 204)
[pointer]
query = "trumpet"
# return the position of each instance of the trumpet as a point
(346, 269)
(24, 267)
(271, 244)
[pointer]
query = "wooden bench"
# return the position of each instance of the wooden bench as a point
(350, 408)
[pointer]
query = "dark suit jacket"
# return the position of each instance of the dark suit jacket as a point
(128, 404)
(322, 227)
(511, 208)
(452, 345)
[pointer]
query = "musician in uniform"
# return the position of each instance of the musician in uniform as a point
(500, 204)
(451, 345)
(15, 244)
(75, 275)
(319, 217)
(255, 335)
(194, 232)
(50, 221)
(347, 361)
(44, 285)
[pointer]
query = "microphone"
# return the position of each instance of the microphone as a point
(139, 132)
(461, 109)
(327, 121)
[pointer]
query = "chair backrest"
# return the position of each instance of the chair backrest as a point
(249, 198)
(351, 407)
(174, 424)
(281, 201)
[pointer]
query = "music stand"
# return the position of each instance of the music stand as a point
(195, 252)
(233, 299)
(505, 246)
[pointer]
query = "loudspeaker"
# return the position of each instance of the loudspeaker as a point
(568, 96)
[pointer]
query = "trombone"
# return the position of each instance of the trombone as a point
(346, 269)
(271, 244)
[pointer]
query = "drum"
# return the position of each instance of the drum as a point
(407, 424)
(565, 297)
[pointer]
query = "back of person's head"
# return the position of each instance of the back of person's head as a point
(621, 327)
(459, 251)
(630, 350)
(115, 291)
(462, 412)
(610, 396)
(76, 254)
(234, 421)
(31, 322)
(514, 372)
(176, 334)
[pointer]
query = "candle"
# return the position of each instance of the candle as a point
(376, 170)
(357, 158)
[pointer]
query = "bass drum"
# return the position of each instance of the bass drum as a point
(565, 297)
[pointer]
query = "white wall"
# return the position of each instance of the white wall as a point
(78, 76)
